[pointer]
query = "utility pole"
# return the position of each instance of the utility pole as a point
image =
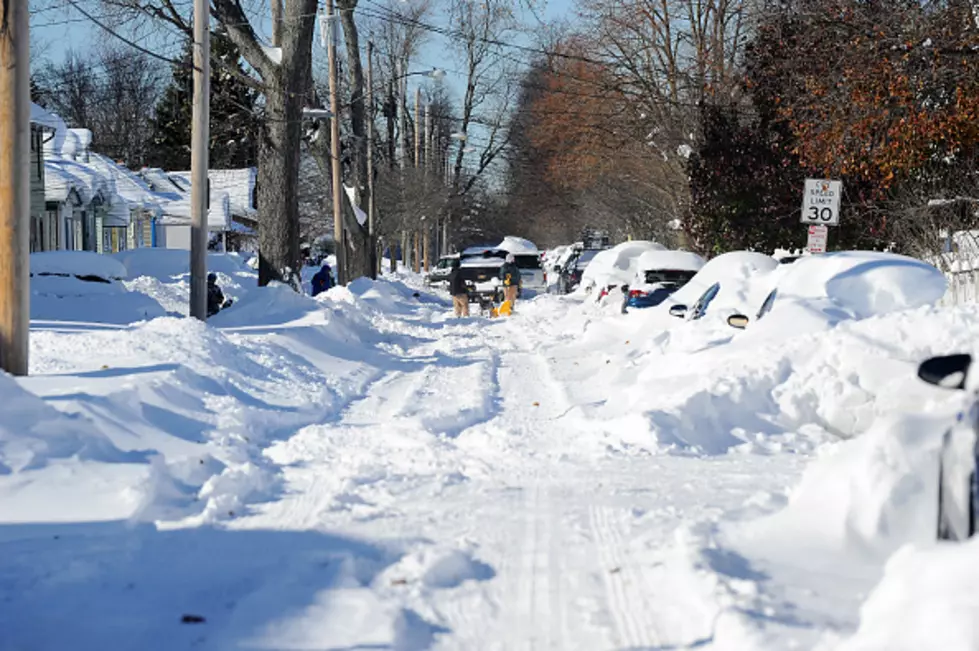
(402, 121)
(276, 23)
(372, 237)
(428, 165)
(418, 126)
(15, 188)
(199, 138)
(338, 238)
(418, 149)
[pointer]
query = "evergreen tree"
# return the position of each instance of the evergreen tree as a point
(233, 125)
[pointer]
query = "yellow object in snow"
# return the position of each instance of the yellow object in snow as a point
(504, 310)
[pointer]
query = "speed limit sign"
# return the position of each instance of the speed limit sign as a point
(821, 202)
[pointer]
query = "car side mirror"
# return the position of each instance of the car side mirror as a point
(738, 321)
(946, 371)
(679, 311)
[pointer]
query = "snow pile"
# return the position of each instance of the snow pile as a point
(276, 304)
(164, 275)
(34, 434)
(168, 264)
(926, 600)
(616, 266)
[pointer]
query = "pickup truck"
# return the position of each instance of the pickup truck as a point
(481, 271)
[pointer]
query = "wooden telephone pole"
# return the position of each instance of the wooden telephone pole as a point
(199, 139)
(418, 149)
(338, 238)
(428, 165)
(372, 236)
(15, 187)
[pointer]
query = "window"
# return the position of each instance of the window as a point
(699, 308)
(678, 277)
(530, 261)
(585, 258)
(766, 307)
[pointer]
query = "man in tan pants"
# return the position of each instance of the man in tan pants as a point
(510, 275)
(458, 290)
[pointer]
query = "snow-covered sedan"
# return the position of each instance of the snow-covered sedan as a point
(726, 285)
(660, 274)
(817, 292)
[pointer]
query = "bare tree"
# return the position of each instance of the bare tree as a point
(111, 93)
(283, 79)
(481, 29)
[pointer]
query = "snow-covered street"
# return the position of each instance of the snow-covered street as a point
(364, 471)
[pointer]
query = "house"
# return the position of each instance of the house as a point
(83, 209)
(172, 229)
(145, 206)
(44, 232)
(241, 186)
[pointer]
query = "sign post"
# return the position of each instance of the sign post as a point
(818, 234)
(820, 209)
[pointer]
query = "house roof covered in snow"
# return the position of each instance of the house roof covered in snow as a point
(238, 184)
(45, 118)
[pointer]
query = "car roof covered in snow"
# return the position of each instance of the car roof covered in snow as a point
(738, 272)
(77, 263)
(618, 265)
(684, 260)
(518, 246)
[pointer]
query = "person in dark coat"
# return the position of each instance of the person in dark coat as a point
(510, 275)
(322, 281)
(215, 297)
(458, 290)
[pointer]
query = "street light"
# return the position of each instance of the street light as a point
(435, 73)
(317, 113)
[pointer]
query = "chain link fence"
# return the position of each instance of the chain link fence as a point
(960, 264)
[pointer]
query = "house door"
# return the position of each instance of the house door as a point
(51, 230)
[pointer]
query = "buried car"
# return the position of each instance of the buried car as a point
(615, 267)
(730, 282)
(439, 275)
(528, 260)
(660, 274)
(959, 456)
(480, 269)
(817, 292)
(85, 287)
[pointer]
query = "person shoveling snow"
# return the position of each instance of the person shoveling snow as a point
(510, 276)
(215, 297)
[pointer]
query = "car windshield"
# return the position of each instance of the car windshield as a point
(585, 258)
(527, 261)
(679, 277)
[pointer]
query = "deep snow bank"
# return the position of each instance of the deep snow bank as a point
(926, 600)
(34, 434)
(192, 405)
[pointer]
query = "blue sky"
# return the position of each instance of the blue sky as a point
(58, 31)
